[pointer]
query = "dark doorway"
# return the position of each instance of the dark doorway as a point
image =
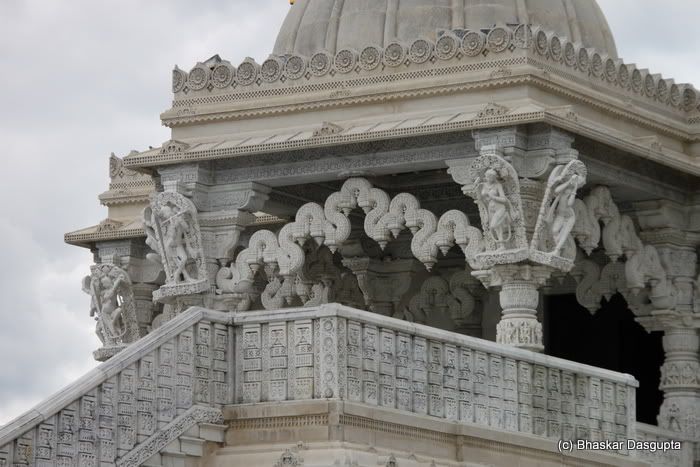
(609, 339)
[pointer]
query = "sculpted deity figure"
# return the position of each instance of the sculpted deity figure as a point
(176, 240)
(561, 216)
(172, 232)
(498, 208)
(112, 305)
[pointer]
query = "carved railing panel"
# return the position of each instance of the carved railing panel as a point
(339, 352)
(182, 367)
(149, 394)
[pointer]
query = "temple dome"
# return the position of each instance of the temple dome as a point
(314, 25)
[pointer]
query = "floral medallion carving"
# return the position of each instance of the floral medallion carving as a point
(198, 77)
(370, 58)
(295, 67)
(499, 39)
(394, 54)
(320, 63)
(522, 37)
(420, 51)
(446, 46)
(179, 79)
(271, 69)
(247, 72)
(345, 61)
(473, 43)
(223, 75)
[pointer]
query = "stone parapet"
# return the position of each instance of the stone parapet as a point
(336, 352)
(171, 386)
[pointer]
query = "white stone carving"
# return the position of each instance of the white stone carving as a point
(557, 215)
(113, 307)
(643, 268)
(172, 227)
(451, 297)
(282, 257)
(493, 184)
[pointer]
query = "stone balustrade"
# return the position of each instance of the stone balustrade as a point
(127, 409)
(339, 352)
(180, 376)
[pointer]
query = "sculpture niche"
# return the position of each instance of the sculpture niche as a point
(173, 233)
(113, 308)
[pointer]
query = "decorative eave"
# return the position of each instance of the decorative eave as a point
(110, 229)
(491, 115)
(460, 62)
(106, 230)
(491, 53)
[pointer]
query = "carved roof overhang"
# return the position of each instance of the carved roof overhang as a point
(461, 62)
(107, 230)
(110, 230)
(392, 126)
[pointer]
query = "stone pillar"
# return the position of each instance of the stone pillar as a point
(524, 183)
(666, 226)
(680, 381)
(519, 296)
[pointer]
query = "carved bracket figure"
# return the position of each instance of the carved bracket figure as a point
(493, 184)
(551, 240)
(172, 228)
(113, 307)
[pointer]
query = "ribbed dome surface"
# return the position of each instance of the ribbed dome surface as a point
(314, 25)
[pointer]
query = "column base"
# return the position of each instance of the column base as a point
(520, 330)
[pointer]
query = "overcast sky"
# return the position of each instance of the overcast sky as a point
(82, 78)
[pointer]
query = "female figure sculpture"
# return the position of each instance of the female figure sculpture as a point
(176, 242)
(498, 207)
(109, 293)
(561, 216)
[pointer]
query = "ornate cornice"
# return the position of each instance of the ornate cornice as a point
(90, 236)
(422, 57)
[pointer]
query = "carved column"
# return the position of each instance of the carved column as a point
(519, 296)
(524, 183)
(666, 226)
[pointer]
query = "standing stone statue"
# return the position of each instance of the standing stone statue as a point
(173, 233)
(561, 216)
(498, 208)
(112, 306)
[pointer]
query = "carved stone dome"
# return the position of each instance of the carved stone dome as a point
(315, 25)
